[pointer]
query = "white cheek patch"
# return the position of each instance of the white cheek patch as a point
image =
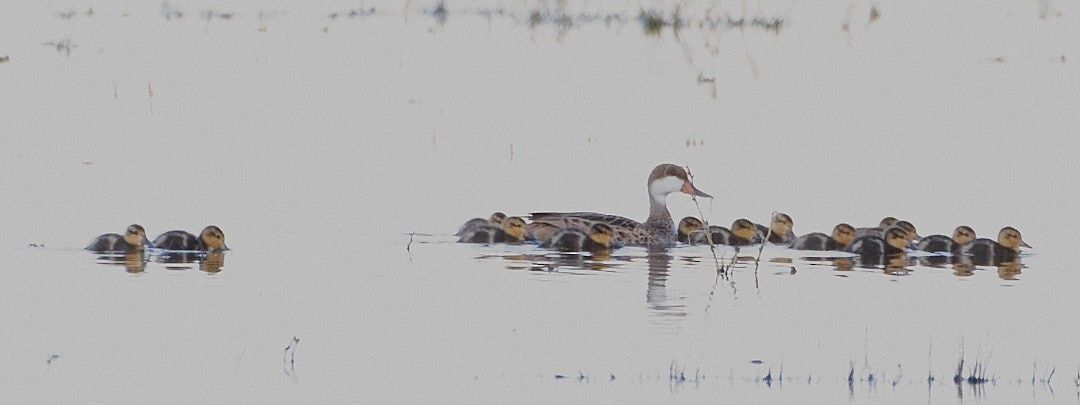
(660, 188)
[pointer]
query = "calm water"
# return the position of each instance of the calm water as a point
(339, 154)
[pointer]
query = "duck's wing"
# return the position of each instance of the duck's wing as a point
(544, 224)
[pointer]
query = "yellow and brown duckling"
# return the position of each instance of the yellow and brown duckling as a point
(742, 233)
(842, 236)
(689, 226)
(781, 226)
(941, 243)
(657, 230)
(912, 234)
(986, 252)
(875, 249)
(496, 219)
(211, 239)
(511, 231)
(600, 238)
(133, 239)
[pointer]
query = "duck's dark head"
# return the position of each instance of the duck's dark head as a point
(136, 235)
(745, 229)
(896, 237)
(910, 228)
(602, 234)
(1010, 238)
(213, 238)
(515, 227)
(843, 234)
(688, 226)
(963, 234)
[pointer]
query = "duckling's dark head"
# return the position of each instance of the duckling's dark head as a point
(689, 225)
(843, 234)
(896, 237)
(136, 235)
(213, 238)
(745, 229)
(515, 227)
(781, 223)
(497, 218)
(887, 222)
(602, 234)
(1010, 238)
(910, 228)
(963, 234)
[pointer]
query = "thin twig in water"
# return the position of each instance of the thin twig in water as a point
(289, 358)
(408, 248)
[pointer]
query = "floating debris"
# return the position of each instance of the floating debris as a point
(169, 12)
(63, 46)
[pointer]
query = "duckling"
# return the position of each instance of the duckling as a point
(941, 243)
(133, 239)
(742, 233)
(211, 239)
(496, 219)
(512, 231)
(878, 231)
(600, 238)
(842, 235)
(912, 234)
(689, 226)
(986, 252)
(781, 225)
(873, 249)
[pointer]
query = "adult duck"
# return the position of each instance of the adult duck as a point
(657, 230)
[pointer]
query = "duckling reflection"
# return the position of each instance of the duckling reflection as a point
(133, 239)
(496, 219)
(781, 227)
(873, 251)
(211, 239)
(842, 235)
(1009, 270)
(133, 262)
(742, 233)
(941, 243)
(600, 238)
(512, 231)
(210, 262)
(986, 252)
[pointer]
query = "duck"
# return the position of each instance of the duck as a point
(512, 231)
(780, 225)
(842, 235)
(941, 243)
(876, 230)
(133, 239)
(875, 249)
(658, 230)
(986, 252)
(211, 239)
(495, 219)
(600, 238)
(742, 233)
(912, 234)
(687, 227)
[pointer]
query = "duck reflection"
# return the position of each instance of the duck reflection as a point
(209, 262)
(133, 262)
(659, 262)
